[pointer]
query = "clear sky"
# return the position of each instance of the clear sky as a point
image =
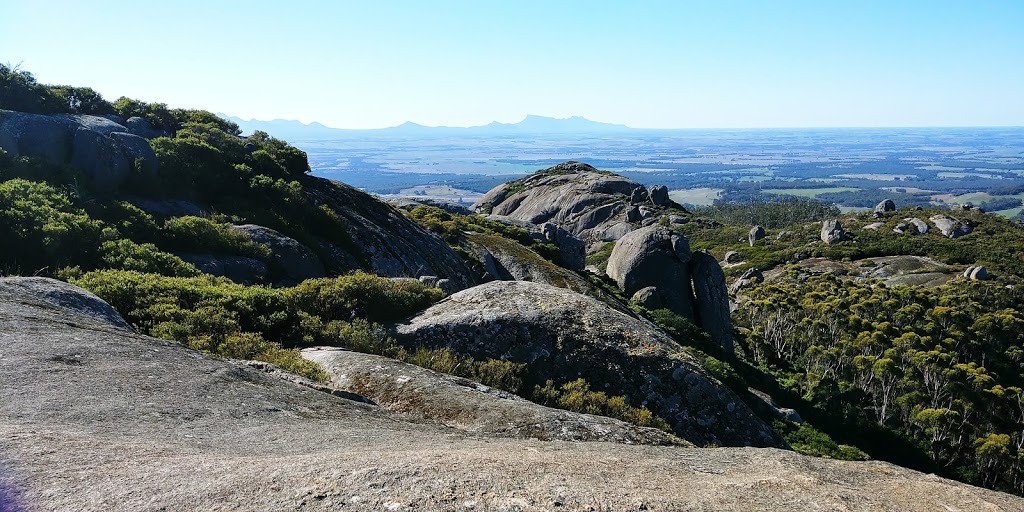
(672, 64)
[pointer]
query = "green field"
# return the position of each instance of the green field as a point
(808, 192)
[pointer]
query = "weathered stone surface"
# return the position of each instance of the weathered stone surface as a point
(732, 257)
(96, 146)
(659, 195)
(60, 298)
(556, 332)
(648, 298)
(639, 195)
(419, 394)
(749, 278)
(576, 197)
(874, 226)
(885, 206)
(615, 232)
(977, 273)
(572, 251)
(295, 261)
(832, 231)
(141, 127)
(239, 269)
(383, 240)
(93, 417)
(756, 233)
(950, 227)
(654, 256)
(633, 214)
(920, 226)
(507, 260)
(712, 299)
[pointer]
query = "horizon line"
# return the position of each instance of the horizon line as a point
(627, 127)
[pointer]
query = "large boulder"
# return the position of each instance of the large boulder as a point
(141, 127)
(578, 198)
(756, 233)
(419, 394)
(659, 195)
(885, 206)
(832, 231)
(294, 261)
(712, 299)
(101, 149)
(950, 227)
(654, 256)
(562, 335)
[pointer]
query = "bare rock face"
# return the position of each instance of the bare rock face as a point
(950, 227)
(659, 195)
(712, 299)
(296, 261)
(732, 257)
(506, 260)
(920, 226)
(976, 273)
(648, 298)
(756, 233)
(424, 395)
(101, 149)
(239, 269)
(832, 231)
(382, 240)
(68, 300)
(658, 257)
(592, 205)
(95, 417)
(559, 333)
(748, 279)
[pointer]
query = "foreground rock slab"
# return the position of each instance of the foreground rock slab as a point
(94, 417)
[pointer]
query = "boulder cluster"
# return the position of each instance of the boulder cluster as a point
(105, 151)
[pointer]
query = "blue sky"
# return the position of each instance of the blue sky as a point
(674, 64)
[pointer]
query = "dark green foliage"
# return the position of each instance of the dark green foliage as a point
(495, 373)
(365, 295)
(577, 396)
(128, 255)
(42, 228)
(808, 440)
(199, 234)
(20, 91)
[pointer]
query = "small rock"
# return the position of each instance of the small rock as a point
(648, 298)
(874, 226)
(732, 257)
(639, 196)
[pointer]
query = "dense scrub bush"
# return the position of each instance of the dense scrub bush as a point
(41, 227)
(808, 440)
(773, 213)
(127, 255)
(199, 234)
(364, 295)
(577, 396)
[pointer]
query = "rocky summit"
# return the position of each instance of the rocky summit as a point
(94, 416)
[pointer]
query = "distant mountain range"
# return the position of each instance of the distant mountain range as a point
(531, 125)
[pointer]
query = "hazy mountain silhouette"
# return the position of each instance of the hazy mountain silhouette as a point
(532, 124)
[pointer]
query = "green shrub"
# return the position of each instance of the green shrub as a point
(375, 298)
(128, 255)
(576, 396)
(808, 440)
(41, 227)
(200, 234)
